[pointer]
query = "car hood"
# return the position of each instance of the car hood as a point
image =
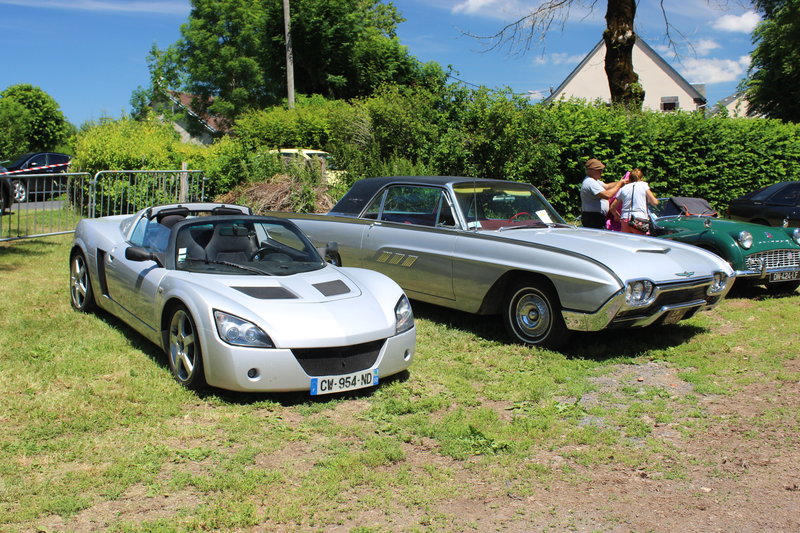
(629, 256)
(323, 308)
(762, 235)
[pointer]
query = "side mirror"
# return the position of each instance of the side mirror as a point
(330, 253)
(137, 253)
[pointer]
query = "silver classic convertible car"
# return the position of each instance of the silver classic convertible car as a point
(241, 302)
(498, 247)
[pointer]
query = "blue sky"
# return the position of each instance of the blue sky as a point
(91, 54)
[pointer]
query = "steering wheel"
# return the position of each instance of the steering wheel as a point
(521, 213)
(262, 252)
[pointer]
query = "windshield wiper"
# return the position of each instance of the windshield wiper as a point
(536, 224)
(228, 263)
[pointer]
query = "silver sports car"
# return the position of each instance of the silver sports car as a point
(498, 247)
(242, 302)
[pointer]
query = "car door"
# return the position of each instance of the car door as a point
(58, 181)
(784, 204)
(36, 165)
(133, 285)
(412, 240)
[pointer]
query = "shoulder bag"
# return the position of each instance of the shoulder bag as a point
(641, 224)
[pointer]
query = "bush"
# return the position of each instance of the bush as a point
(126, 145)
(451, 130)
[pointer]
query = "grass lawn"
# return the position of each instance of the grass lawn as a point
(97, 435)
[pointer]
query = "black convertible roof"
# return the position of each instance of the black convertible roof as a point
(678, 205)
(365, 189)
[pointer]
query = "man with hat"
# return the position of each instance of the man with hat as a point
(595, 195)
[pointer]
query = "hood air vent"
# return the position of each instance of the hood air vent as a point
(267, 293)
(332, 288)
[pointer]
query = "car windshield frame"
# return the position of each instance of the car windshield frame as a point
(241, 245)
(503, 205)
(18, 160)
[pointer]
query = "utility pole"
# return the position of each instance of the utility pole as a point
(287, 25)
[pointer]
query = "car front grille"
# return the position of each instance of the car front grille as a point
(774, 260)
(338, 360)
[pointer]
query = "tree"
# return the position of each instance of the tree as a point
(15, 123)
(773, 83)
(47, 127)
(619, 37)
(232, 52)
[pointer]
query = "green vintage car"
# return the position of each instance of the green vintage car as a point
(760, 255)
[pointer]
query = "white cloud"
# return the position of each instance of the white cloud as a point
(559, 58)
(710, 71)
(168, 7)
(744, 23)
(704, 46)
(510, 10)
(473, 6)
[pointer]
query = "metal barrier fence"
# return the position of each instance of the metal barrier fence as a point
(56, 202)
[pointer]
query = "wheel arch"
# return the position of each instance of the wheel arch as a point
(166, 313)
(493, 301)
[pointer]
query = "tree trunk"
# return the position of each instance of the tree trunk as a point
(619, 39)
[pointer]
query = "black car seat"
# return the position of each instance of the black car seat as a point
(231, 242)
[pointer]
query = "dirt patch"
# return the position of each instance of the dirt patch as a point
(743, 474)
(136, 505)
(637, 377)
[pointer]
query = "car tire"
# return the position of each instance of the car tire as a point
(183, 350)
(80, 284)
(20, 191)
(532, 315)
(783, 287)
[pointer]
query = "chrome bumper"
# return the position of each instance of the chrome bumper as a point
(608, 315)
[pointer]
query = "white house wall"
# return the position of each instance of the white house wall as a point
(590, 83)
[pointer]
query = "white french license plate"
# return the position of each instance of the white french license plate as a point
(784, 276)
(356, 380)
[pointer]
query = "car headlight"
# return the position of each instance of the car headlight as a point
(796, 235)
(239, 332)
(639, 292)
(719, 283)
(745, 239)
(404, 317)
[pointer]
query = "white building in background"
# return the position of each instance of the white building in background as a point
(664, 88)
(736, 106)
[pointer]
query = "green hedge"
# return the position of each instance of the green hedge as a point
(451, 130)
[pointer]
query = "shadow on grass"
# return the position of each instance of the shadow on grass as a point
(596, 345)
(760, 292)
(25, 248)
(286, 399)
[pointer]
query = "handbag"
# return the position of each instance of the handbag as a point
(640, 224)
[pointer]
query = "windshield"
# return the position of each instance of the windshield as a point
(244, 246)
(496, 205)
(18, 160)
